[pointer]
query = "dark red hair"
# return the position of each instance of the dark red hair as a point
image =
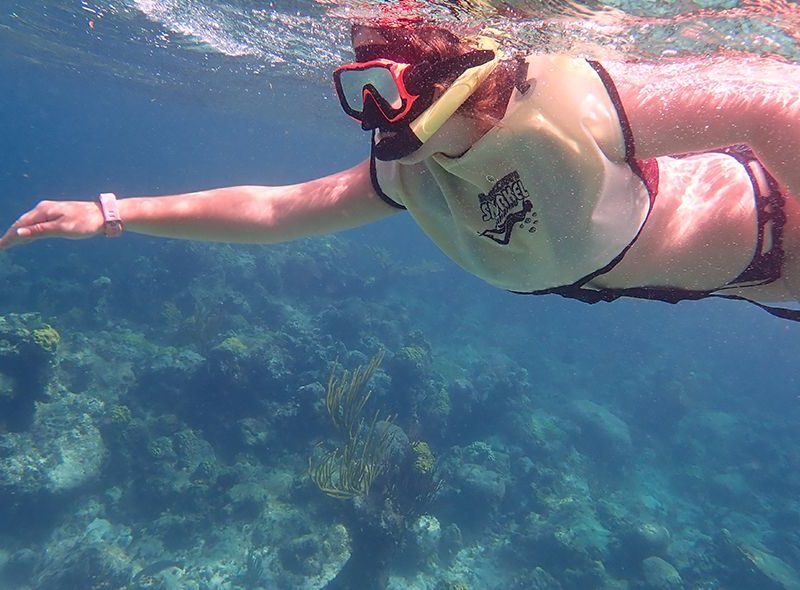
(416, 43)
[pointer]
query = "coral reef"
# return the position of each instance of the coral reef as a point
(349, 471)
(166, 445)
(59, 453)
(661, 575)
(28, 349)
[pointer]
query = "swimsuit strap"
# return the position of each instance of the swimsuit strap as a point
(764, 268)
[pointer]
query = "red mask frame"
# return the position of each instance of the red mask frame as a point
(374, 92)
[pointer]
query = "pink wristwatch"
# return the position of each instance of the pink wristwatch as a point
(112, 222)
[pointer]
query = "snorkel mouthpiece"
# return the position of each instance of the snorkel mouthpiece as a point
(396, 146)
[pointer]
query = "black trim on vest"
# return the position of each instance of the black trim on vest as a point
(373, 176)
(647, 171)
(624, 122)
(665, 295)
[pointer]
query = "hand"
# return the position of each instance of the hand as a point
(55, 219)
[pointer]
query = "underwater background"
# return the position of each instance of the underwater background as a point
(178, 415)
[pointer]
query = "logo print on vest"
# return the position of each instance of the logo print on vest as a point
(508, 205)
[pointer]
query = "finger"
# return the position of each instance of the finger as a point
(10, 238)
(39, 214)
(7, 238)
(44, 211)
(29, 233)
(50, 229)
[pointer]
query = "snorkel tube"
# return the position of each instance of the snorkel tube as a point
(421, 129)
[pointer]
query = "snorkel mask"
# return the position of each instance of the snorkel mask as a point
(398, 97)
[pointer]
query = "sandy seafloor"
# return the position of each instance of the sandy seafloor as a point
(161, 401)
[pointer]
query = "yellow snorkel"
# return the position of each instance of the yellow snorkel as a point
(410, 138)
(432, 119)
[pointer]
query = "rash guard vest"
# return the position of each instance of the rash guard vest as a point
(552, 198)
(548, 196)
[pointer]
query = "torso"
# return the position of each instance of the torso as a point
(547, 197)
(701, 232)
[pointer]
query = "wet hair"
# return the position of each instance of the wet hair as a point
(417, 43)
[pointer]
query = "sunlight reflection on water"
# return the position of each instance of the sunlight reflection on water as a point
(240, 47)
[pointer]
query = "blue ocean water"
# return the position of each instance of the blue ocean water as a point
(163, 415)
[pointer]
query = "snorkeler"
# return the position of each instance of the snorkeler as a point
(538, 174)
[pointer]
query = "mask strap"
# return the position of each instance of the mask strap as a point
(426, 74)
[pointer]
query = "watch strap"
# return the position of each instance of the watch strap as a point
(112, 222)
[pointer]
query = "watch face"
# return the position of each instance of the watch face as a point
(113, 228)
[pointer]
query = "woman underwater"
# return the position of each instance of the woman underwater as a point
(538, 174)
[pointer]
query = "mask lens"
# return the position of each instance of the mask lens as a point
(380, 78)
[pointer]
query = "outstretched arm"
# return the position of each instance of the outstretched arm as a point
(696, 106)
(260, 214)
